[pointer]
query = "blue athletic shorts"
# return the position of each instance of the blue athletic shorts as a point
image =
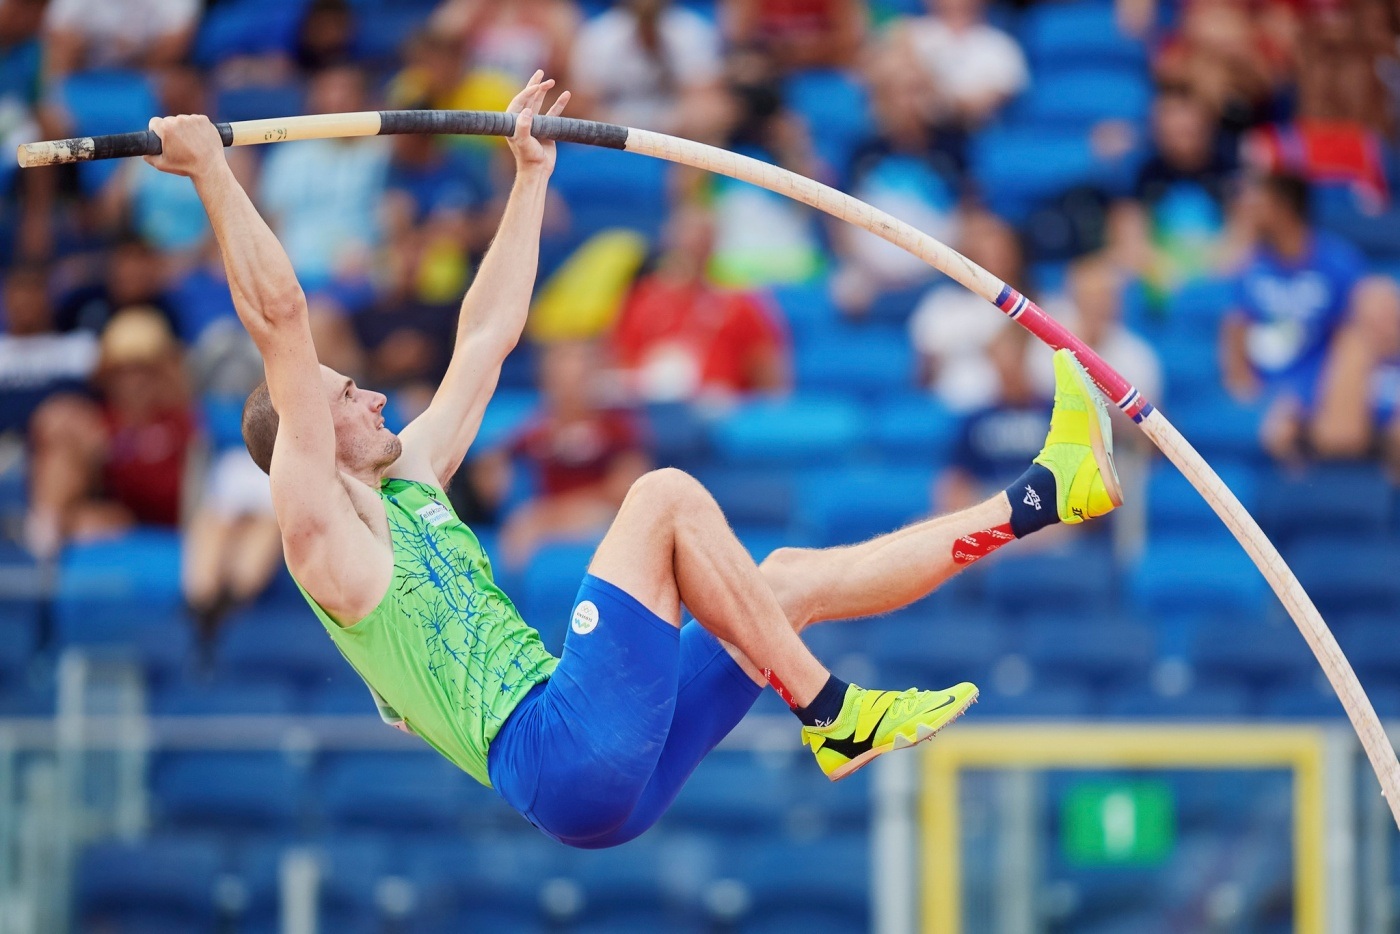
(593, 756)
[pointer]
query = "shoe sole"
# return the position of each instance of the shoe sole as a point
(1100, 435)
(922, 734)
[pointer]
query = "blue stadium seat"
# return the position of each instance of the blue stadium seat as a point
(163, 884)
(1196, 309)
(844, 506)
(816, 886)
(507, 411)
(1348, 500)
(258, 101)
(1099, 649)
(19, 637)
(1205, 703)
(677, 434)
(122, 596)
(343, 697)
(1181, 573)
(382, 31)
(1083, 96)
(733, 792)
(1064, 35)
(836, 110)
(1191, 367)
(28, 697)
(760, 541)
(229, 790)
(352, 866)
(105, 102)
(1216, 424)
(1019, 582)
(1174, 507)
(806, 308)
(223, 420)
(605, 188)
(549, 586)
(1311, 701)
(226, 698)
(290, 644)
(1342, 574)
(476, 883)
(895, 306)
(1373, 648)
(246, 27)
(913, 646)
(1020, 167)
(751, 496)
(393, 791)
(798, 431)
(914, 427)
(1050, 701)
(865, 361)
(1266, 654)
(622, 888)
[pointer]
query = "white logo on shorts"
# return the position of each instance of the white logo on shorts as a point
(585, 618)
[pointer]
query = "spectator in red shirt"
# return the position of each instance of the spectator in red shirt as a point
(583, 454)
(100, 467)
(678, 336)
(798, 34)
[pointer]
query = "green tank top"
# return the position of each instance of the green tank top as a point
(445, 653)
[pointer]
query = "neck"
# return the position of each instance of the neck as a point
(369, 476)
(1290, 241)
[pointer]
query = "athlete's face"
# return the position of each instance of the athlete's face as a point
(361, 440)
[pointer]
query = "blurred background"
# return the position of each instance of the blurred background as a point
(1200, 188)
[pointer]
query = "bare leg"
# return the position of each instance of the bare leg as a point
(68, 441)
(670, 545)
(205, 549)
(877, 576)
(256, 554)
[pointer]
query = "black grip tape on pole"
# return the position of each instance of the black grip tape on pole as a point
(141, 143)
(492, 123)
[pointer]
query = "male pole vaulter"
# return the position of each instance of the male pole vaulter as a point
(591, 747)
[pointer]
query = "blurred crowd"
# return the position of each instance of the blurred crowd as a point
(122, 365)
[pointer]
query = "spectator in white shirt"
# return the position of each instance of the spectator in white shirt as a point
(84, 34)
(952, 329)
(650, 64)
(323, 196)
(975, 67)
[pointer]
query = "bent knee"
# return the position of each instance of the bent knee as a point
(64, 419)
(666, 488)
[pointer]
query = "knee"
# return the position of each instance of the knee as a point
(62, 421)
(666, 491)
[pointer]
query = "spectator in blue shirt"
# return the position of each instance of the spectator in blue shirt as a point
(997, 440)
(1293, 293)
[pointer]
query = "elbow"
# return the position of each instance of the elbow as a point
(281, 307)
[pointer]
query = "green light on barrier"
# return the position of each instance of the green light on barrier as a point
(1118, 823)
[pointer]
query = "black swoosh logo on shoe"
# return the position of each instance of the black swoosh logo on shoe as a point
(850, 748)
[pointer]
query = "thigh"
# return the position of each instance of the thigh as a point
(638, 552)
(583, 750)
(714, 695)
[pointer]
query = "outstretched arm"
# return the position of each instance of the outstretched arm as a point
(313, 508)
(493, 311)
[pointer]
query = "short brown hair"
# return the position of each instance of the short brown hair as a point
(260, 426)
